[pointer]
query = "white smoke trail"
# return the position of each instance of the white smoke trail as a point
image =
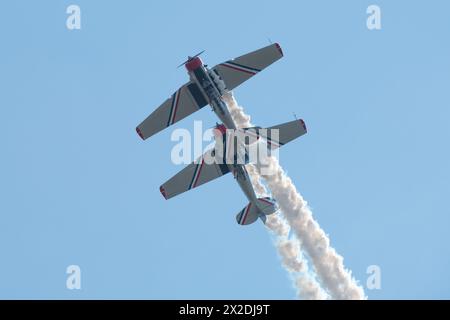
(288, 249)
(328, 264)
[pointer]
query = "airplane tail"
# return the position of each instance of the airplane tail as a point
(253, 211)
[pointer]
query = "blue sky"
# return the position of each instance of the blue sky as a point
(78, 186)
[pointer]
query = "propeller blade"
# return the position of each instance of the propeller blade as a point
(183, 63)
(198, 54)
(190, 58)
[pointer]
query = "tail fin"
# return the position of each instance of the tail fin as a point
(253, 211)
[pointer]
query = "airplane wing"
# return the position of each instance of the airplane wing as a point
(286, 132)
(182, 103)
(236, 71)
(197, 173)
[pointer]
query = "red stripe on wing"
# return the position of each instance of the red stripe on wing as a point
(198, 175)
(239, 69)
(246, 212)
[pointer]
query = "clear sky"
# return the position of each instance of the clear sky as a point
(78, 186)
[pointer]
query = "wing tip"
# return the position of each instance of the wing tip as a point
(163, 192)
(303, 124)
(279, 48)
(140, 133)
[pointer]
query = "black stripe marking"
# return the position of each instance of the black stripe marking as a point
(242, 66)
(172, 107)
(197, 95)
(224, 168)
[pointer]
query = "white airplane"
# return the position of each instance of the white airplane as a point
(207, 86)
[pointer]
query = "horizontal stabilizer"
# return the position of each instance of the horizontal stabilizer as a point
(253, 211)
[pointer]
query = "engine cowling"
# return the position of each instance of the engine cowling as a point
(220, 84)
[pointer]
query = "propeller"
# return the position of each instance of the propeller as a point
(190, 58)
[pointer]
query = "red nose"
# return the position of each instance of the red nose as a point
(194, 64)
(220, 130)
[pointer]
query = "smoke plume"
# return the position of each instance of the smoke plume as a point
(328, 264)
(288, 249)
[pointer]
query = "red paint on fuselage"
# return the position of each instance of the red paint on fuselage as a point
(194, 64)
(220, 130)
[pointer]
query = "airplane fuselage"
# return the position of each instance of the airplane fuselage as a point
(202, 76)
(235, 146)
(210, 90)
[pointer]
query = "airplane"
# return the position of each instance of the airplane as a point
(207, 86)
